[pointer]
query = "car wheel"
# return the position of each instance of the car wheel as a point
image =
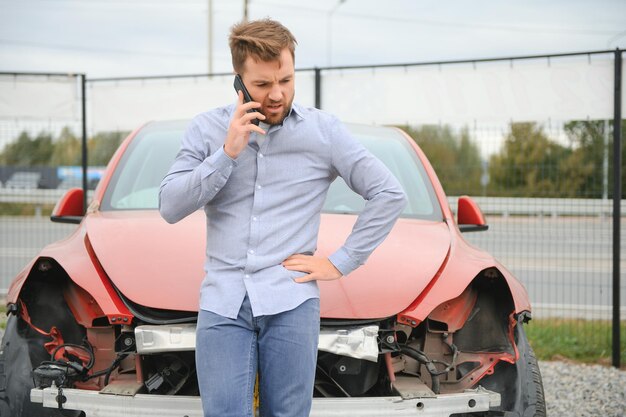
(16, 375)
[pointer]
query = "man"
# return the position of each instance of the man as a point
(262, 189)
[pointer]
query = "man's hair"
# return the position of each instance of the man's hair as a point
(260, 39)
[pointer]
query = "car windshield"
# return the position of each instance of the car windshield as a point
(135, 183)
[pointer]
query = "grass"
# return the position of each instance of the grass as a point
(25, 209)
(587, 341)
(3, 316)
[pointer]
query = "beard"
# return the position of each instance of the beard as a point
(276, 118)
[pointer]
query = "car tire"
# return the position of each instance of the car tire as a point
(533, 397)
(16, 375)
(519, 384)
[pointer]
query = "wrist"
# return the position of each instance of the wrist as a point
(336, 271)
(230, 153)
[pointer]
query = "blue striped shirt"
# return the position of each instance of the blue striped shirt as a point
(265, 205)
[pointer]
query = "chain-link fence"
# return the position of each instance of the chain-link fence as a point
(40, 142)
(531, 138)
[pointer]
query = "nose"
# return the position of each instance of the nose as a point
(276, 93)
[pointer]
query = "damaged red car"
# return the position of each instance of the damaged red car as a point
(102, 323)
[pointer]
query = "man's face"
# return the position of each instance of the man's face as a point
(272, 84)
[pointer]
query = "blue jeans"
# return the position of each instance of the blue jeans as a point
(281, 347)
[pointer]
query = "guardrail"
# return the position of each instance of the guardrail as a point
(502, 206)
(31, 196)
(554, 207)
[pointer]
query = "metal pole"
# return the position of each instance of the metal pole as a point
(605, 162)
(617, 199)
(84, 138)
(210, 37)
(318, 88)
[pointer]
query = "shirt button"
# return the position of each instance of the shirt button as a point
(261, 155)
(258, 187)
(247, 276)
(254, 218)
(251, 252)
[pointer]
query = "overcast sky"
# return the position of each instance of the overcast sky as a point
(109, 38)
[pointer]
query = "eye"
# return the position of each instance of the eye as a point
(285, 81)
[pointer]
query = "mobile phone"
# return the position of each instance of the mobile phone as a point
(239, 86)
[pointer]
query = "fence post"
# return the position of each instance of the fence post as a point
(84, 139)
(617, 198)
(318, 88)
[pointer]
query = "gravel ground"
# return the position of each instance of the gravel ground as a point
(583, 390)
(576, 390)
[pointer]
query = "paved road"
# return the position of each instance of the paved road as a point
(565, 263)
(21, 238)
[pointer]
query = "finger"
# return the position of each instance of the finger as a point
(242, 107)
(292, 260)
(255, 128)
(295, 263)
(299, 256)
(248, 117)
(306, 278)
(298, 267)
(249, 106)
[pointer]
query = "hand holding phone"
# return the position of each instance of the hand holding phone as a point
(242, 124)
(239, 86)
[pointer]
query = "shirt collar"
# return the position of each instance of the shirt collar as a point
(296, 111)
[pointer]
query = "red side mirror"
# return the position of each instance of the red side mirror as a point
(469, 216)
(70, 208)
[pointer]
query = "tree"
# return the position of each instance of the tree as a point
(584, 166)
(14, 152)
(102, 146)
(67, 149)
(455, 158)
(576, 173)
(26, 151)
(528, 164)
(591, 161)
(470, 167)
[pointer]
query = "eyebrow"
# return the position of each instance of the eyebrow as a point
(267, 80)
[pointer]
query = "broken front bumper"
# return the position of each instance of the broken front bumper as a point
(96, 404)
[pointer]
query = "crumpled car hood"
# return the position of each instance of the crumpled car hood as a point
(394, 275)
(159, 265)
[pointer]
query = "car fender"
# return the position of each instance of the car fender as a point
(462, 265)
(78, 261)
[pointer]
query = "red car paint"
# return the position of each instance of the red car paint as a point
(419, 266)
(424, 286)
